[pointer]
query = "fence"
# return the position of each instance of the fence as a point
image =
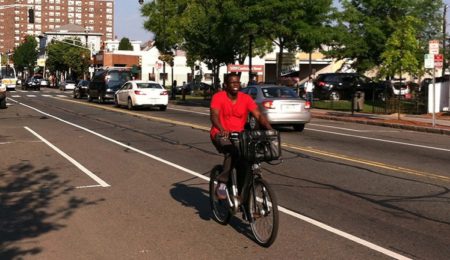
(416, 104)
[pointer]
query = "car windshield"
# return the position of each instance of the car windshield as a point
(7, 72)
(148, 85)
(279, 92)
(119, 76)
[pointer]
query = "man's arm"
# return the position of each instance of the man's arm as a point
(261, 118)
(214, 117)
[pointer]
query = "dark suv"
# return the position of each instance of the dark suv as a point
(33, 82)
(336, 86)
(106, 82)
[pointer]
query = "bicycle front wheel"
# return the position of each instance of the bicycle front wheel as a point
(263, 209)
(220, 208)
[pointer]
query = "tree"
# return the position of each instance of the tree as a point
(401, 50)
(364, 26)
(314, 27)
(125, 44)
(25, 55)
(62, 56)
(277, 20)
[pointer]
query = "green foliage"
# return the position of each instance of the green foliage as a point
(62, 56)
(125, 44)
(25, 55)
(364, 27)
(401, 49)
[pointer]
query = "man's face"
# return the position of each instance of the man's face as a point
(233, 85)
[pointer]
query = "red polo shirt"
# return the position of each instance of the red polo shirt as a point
(232, 116)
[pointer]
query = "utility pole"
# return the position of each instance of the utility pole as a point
(164, 42)
(444, 25)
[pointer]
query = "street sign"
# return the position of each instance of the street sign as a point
(429, 61)
(433, 47)
(438, 60)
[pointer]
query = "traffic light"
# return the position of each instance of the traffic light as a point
(31, 15)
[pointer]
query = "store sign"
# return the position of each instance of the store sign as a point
(244, 68)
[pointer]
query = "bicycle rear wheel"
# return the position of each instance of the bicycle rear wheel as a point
(220, 208)
(263, 209)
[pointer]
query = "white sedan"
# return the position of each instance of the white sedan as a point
(142, 93)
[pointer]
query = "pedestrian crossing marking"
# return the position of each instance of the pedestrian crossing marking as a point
(31, 95)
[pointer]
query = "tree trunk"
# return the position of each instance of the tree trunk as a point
(280, 60)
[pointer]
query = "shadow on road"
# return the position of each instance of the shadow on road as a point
(198, 198)
(33, 202)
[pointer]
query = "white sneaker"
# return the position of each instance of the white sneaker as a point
(221, 191)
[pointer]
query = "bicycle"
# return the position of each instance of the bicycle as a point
(256, 199)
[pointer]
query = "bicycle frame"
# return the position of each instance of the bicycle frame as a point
(252, 172)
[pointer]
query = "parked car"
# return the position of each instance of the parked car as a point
(67, 85)
(337, 86)
(33, 82)
(280, 104)
(81, 88)
(194, 87)
(2, 96)
(44, 83)
(106, 82)
(143, 94)
(290, 79)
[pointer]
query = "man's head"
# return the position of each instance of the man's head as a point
(232, 84)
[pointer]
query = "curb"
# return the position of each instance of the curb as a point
(386, 124)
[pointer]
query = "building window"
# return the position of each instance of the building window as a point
(71, 9)
(109, 17)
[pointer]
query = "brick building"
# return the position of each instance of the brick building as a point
(94, 15)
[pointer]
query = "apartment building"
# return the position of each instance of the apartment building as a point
(96, 16)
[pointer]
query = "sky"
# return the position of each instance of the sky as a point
(129, 22)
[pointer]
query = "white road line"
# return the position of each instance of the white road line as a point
(88, 186)
(352, 130)
(31, 95)
(185, 110)
(63, 96)
(15, 96)
(282, 209)
(382, 140)
(46, 95)
(70, 159)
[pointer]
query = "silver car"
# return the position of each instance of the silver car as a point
(280, 104)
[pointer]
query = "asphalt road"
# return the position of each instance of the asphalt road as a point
(83, 180)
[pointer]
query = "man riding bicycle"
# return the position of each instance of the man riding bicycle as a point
(228, 112)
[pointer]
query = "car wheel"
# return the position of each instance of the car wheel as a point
(116, 102)
(299, 127)
(101, 99)
(253, 123)
(130, 104)
(3, 103)
(334, 95)
(89, 98)
(163, 108)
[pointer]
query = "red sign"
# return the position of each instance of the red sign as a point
(244, 68)
(438, 60)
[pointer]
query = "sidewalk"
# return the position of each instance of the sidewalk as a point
(422, 123)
